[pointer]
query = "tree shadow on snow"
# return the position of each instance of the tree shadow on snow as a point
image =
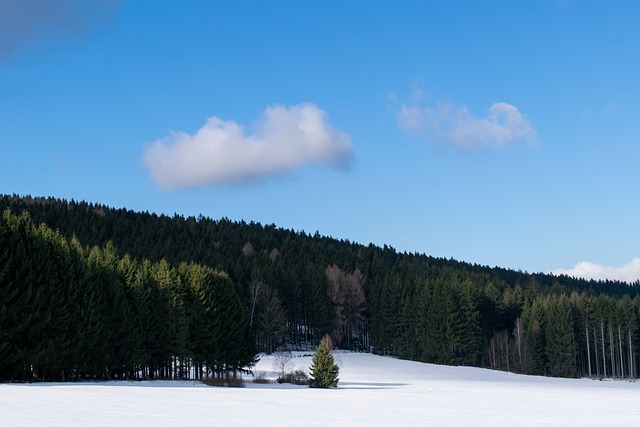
(369, 386)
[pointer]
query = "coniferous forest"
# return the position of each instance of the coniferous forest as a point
(92, 292)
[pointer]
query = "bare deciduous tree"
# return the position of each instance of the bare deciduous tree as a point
(266, 314)
(346, 292)
(247, 249)
(274, 254)
(283, 363)
(254, 290)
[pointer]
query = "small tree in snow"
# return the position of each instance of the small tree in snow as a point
(324, 371)
(283, 363)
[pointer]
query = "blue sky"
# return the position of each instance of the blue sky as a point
(495, 132)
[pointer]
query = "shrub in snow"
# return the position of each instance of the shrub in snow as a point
(223, 381)
(261, 378)
(298, 377)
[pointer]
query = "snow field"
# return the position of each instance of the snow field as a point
(373, 391)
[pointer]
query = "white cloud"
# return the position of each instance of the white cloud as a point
(23, 22)
(221, 152)
(457, 127)
(587, 270)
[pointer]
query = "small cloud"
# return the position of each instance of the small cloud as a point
(222, 153)
(24, 22)
(586, 270)
(457, 127)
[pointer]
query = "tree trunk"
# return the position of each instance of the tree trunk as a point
(621, 353)
(586, 331)
(631, 370)
(595, 350)
(519, 342)
(604, 355)
(612, 348)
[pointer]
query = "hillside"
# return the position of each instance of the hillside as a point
(373, 391)
(295, 287)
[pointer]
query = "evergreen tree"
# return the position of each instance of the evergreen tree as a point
(533, 317)
(558, 328)
(324, 371)
(70, 312)
(319, 316)
(444, 326)
(472, 339)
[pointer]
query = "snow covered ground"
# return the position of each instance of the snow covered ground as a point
(372, 391)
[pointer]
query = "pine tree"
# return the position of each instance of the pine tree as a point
(534, 336)
(558, 328)
(324, 371)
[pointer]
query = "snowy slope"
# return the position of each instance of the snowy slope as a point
(373, 390)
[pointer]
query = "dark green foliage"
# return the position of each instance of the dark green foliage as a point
(167, 307)
(536, 337)
(71, 313)
(443, 326)
(471, 340)
(560, 348)
(324, 371)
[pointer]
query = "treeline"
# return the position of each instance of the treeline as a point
(564, 336)
(70, 313)
(455, 322)
(295, 287)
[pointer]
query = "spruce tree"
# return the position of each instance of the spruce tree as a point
(324, 371)
(559, 333)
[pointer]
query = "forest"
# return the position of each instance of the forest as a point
(92, 292)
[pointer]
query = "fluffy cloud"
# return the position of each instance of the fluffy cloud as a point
(457, 127)
(26, 21)
(627, 273)
(222, 152)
